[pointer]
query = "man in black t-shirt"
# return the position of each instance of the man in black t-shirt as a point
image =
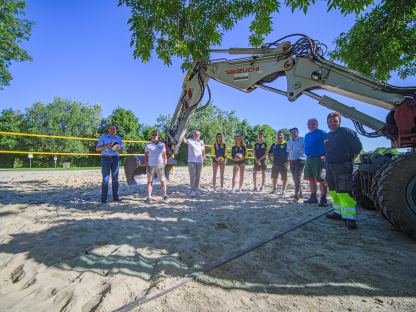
(260, 161)
(341, 148)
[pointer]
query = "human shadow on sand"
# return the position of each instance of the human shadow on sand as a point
(175, 238)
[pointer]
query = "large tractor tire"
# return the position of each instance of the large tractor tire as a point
(374, 186)
(397, 193)
(361, 199)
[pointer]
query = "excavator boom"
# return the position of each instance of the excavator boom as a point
(305, 69)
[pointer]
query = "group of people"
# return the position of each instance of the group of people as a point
(323, 158)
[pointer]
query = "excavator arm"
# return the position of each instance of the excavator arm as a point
(305, 68)
(381, 182)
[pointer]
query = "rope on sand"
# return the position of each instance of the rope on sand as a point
(214, 265)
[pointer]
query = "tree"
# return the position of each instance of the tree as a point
(268, 132)
(247, 132)
(187, 29)
(286, 133)
(382, 40)
(10, 121)
(62, 117)
(128, 126)
(386, 150)
(13, 30)
(210, 121)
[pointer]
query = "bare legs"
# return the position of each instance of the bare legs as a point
(236, 168)
(214, 174)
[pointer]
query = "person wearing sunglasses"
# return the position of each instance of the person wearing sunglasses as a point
(155, 161)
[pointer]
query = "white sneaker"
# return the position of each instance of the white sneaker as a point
(193, 194)
(148, 200)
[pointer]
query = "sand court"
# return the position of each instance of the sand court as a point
(61, 250)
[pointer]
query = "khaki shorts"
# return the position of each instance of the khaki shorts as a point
(280, 169)
(155, 170)
(262, 167)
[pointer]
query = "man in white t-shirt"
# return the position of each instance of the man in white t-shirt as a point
(155, 162)
(196, 156)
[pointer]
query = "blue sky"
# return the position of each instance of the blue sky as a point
(81, 51)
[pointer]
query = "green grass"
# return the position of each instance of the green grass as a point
(50, 169)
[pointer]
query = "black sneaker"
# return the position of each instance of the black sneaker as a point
(311, 200)
(323, 202)
(103, 201)
(333, 216)
(351, 224)
(118, 199)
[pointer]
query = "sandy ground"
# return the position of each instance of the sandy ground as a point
(60, 250)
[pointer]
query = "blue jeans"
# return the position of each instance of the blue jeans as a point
(109, 165)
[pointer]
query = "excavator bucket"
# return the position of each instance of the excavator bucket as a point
(135, 169)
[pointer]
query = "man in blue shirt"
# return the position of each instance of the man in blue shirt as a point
(315, 151)
(110, 145)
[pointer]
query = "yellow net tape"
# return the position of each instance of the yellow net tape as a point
(62, 153)
(228, 157)
(70, 137)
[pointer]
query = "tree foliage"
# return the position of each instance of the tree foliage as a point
(381, 41)
(62, 117)
(187, 29)
(127, 124)
(128, 128)
(10, 121)
(386, 150)
(72, 118)
(13, 31)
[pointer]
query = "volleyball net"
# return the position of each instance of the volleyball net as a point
(48, 147)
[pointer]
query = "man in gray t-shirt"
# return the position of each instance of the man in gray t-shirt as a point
(196, 156)
(296, 149)
(155, 162)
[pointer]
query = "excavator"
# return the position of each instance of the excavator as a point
(381, 182)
